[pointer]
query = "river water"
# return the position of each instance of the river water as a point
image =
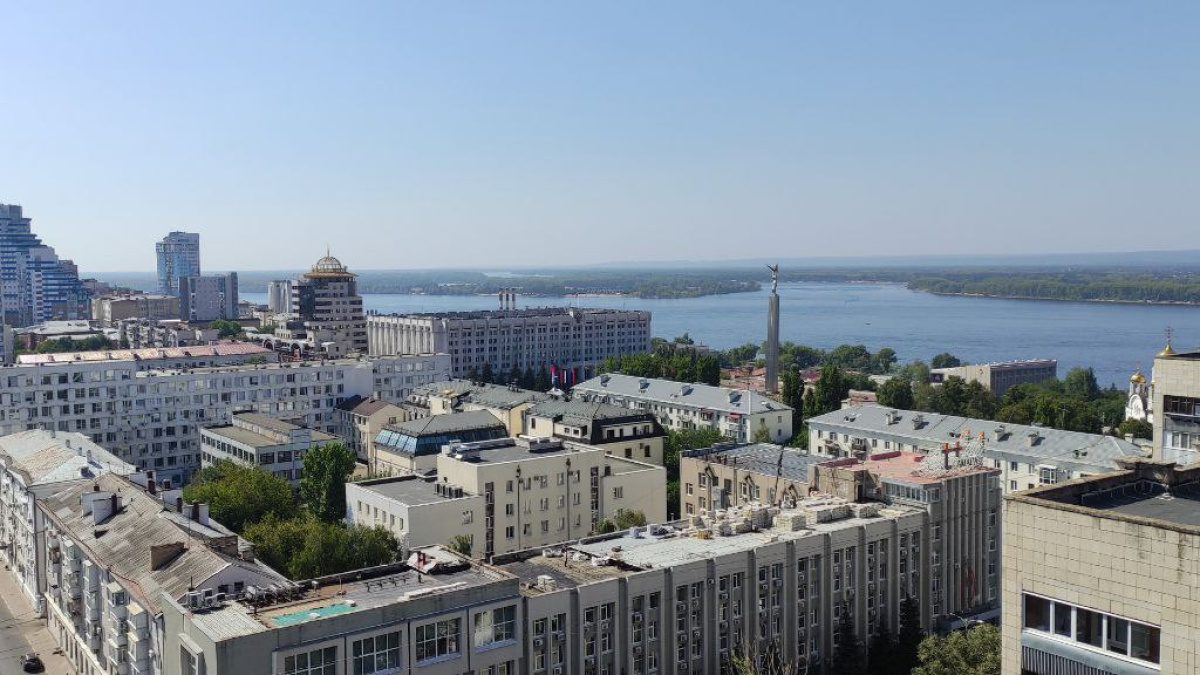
(1111, 338)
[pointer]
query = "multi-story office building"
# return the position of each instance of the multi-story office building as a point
(413, 446)
(329, 310)
(998, 377)
(511, 494)
(208, 298)
(571, 339)
(361, 419)
(178, 256)
(1176, 392)
(618, 431)
(34, 464)
(150, 414)
(1027, 456)
(35, 285)
(738, 414)
(110, 311)
(279, 296)
(1100, 574)
(117, 556)
(272, 444)
(959, 492)
(146, 333)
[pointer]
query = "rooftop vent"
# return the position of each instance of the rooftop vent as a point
(643, 385)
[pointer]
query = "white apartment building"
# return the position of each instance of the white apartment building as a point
(34, 464)
(738, 414)
(573, 339)
(511, 494)
(116, 555)
(151, 417)
(1027, 456)
(272, 444)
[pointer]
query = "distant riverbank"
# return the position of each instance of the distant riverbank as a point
(993, 296)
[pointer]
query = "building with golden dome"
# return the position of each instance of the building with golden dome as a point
(1176, 393)
(1139, 405)
(330, 310)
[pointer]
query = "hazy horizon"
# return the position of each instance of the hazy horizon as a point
(526, 135)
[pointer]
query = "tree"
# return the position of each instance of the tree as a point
(226, 329)
(896, 393)
(462, 544)
(849, 658)
(908, 640)
(945, 360)
(885, 358)
(1081, 383)
(304, 547)
(762, 434)
(323, 488)
(487, 375)
(975, 651)
(831, 389)
(708, 370)
(880, 651)
(685, 339)
(605, 526)
(239, 495)
(542, 383)
(1136, 428)
(627, 519)
(514, 375)
(528, 379)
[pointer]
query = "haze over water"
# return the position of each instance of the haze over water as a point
(1111, 338)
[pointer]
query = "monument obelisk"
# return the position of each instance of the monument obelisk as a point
(773, 333)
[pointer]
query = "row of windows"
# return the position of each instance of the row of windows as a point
(1094, 629)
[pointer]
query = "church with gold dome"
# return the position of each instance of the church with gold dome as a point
(1139, 405)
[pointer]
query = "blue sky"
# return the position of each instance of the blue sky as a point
(514, 133)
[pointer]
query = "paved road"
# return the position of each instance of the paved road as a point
(22, 632)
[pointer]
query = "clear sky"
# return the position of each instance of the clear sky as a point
(434, 134)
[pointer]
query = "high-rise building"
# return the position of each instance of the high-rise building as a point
(279, 296)
(1176, 392)
(207, 298)
(35, 285)
(327, 302)
(178, 256)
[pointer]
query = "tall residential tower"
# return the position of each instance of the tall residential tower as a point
(35, 285)
(178, 256)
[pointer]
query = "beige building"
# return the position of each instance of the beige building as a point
(252, 439)
(507, 403)
(730, 474)
(998, 377)
(540, 492)
(420, 512)
(618, 431)
(1176, 408)
(1100, 574)
(110, 311)
(361, 419)
(737, 414)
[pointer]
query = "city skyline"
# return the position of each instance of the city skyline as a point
(929, 129)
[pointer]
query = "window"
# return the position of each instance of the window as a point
(316, 662)
(1094, 629)
(1037, 613)
(437, 640)
(1048, 475)
(190, 663)
(495, 626)
(618, 492)
(376, 654)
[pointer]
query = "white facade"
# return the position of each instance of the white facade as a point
(272, 445)
(573, 339)
(417, 512)
(33, 463)
(737, 414)
(279, 296)
(151, 418)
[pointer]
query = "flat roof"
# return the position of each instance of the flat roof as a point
(516, 313)
(703, 396)
(147, 354)
(919, 468)
(256, 440)
(1181, 505)
(410, 490)
(446, 424)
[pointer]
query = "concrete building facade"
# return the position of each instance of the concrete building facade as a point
(617, 431)
(149, 413)
(208, 298)
(110, 311)
(1176, 391)
(507, 403)
(998, 377)
(330, 310)
(572, 339)
(361, 419)
(274, 445)
(1100, 574)
(739, 415)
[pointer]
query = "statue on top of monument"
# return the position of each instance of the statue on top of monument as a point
(774, 277)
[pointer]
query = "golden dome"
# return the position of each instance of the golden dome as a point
(1137, 378)
(1167, 351)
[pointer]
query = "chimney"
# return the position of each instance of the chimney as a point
(162, 554)
(151, 487)
(179, 504)
(204, 514)
(195, 514)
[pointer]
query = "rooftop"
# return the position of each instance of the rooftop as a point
(1088, 452)
(1147, 492)
(147, 354)
(761, 458)
(524, 313)
(409, 490)
(701, 396)
(446, 424)
(918, 468)
(43, 457)
(482, 393)
(999, 365)
(363, 406)
(584, 412)
(254, 439)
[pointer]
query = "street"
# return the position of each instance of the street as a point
(22, 632)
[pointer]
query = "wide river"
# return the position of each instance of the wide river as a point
(1111, 338)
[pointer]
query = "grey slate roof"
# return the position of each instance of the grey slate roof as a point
(489, 395)
(43, 457)
(122, 543)
(761, 458)
(582, 412)
(704, 396)
(1082, 451)
(445, 424)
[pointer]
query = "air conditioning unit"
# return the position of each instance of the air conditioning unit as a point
(683, 667)
(558, 670)
(696, 633)
(779, 583)
(683, 638)
(637, 617)
(538, 643)
(604, 625)
(723, 597)
(724, 625)
(696, 603)
(588, 626)
(681, 606)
